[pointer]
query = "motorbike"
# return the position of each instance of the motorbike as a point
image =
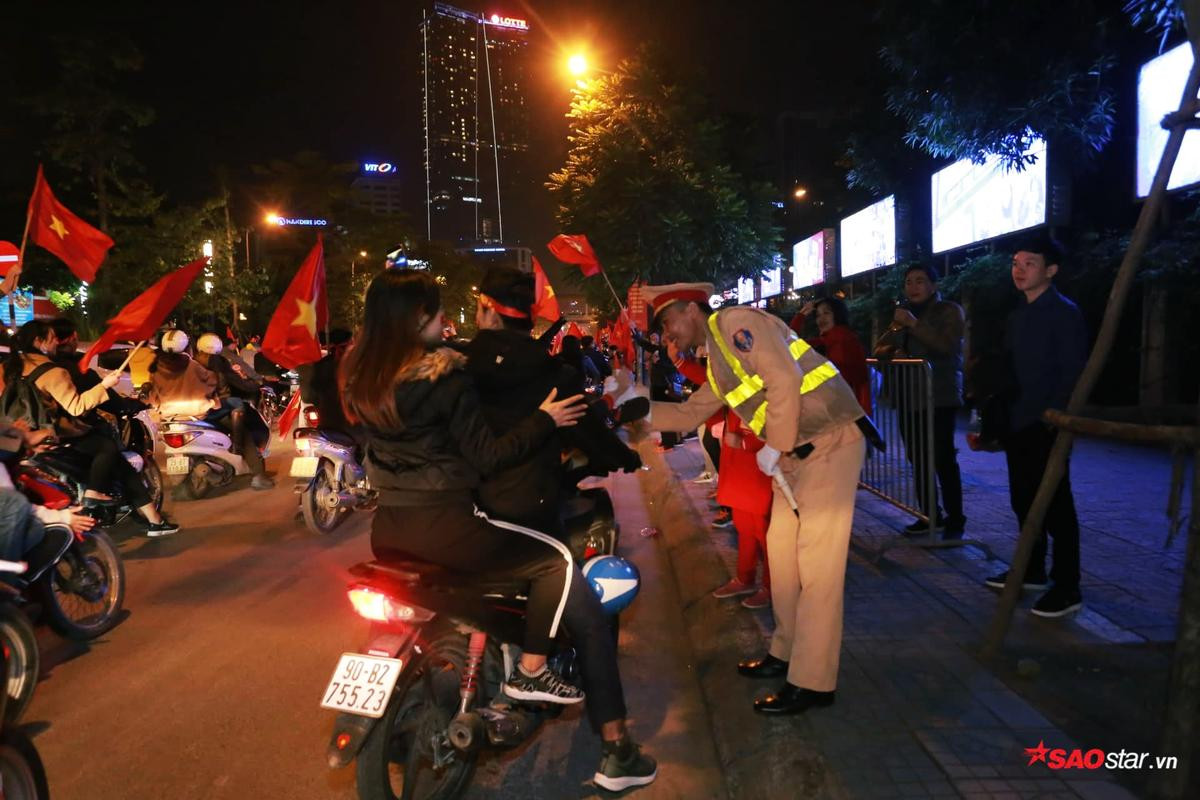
(199, 454)
(331, 480)
(423, 698)
(22, 774)
(82, 592)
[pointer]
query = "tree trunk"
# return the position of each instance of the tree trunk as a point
(233, 303)
(1152, 385)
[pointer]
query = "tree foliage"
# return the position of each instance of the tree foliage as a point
(645, 180)
(968, 80)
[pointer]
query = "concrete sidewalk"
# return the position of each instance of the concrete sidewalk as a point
(917, 715)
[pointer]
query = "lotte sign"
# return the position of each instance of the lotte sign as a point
(508, 22)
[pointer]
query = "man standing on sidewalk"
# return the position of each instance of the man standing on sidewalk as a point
(1046, 344)
(795, 399)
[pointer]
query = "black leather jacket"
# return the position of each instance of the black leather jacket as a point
(444, 444)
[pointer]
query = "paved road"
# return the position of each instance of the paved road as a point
(209, 688)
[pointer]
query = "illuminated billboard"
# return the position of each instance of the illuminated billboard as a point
(868, 238)
(1160, 86)
(772, 282)
(745, 290)
(976, 202)
(808, 259)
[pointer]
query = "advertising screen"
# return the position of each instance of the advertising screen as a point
(1160, 85)
(745, 290)
(976, 202)
(808, 261)
(772, 282)
(869, 238)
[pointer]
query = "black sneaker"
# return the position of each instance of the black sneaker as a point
(617, 774)
(165, 528)
(1032, 583)
(955, 527)
(1058, 602)
(546, 686)
(920, 528)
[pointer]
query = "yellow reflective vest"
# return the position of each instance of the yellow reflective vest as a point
(751, 350)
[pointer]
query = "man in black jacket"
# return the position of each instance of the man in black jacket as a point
(513, 373)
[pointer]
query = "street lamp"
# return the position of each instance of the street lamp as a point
(273, 219)
(800, 193)
(577, 64)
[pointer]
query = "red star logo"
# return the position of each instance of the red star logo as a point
(1037, 753)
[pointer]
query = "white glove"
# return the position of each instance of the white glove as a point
(110, 380)
(768, 459)
(610, 385)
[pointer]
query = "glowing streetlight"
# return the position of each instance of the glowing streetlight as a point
(577, 64)
(274, 219)
(362, 253)
(800, 193)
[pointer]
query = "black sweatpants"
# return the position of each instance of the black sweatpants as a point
(1027, 451)
(463, 539)
(109, 466)
(945, 459)
(712, 446)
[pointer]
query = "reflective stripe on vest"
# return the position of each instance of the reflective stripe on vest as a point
(750, 385)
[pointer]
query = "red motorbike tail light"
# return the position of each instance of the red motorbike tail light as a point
(178, 440)
(312, 417)
(378, 607)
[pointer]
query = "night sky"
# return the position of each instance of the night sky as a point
(238, 84)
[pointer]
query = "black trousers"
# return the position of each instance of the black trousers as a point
(945, 459)
(109, 466)
(459, 538)
(712, 447)
(1027, 451)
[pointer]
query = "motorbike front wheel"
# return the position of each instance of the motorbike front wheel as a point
(21, 660)
(83, 593)
(319, 516)
(407, 754)
(22, 775)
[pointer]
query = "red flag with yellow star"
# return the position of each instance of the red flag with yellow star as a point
(291, 337)
(545, 303)
(51, 225)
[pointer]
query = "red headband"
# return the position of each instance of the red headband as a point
(502, 310)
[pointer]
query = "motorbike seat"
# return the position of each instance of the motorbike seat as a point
(337, 437)
(409, 570)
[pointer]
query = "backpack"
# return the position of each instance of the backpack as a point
(22, 400)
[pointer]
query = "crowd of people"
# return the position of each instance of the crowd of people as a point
(464, 446)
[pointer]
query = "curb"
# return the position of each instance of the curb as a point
(760, 756)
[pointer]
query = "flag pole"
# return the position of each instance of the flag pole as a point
(612, 289)
(129, 357)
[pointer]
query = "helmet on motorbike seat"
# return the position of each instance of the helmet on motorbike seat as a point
(174, 341)
(210, 343)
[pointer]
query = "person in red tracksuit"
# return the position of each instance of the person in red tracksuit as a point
(692, 368)
(746, 491)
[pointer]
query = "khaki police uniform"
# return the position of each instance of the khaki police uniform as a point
(791, 396)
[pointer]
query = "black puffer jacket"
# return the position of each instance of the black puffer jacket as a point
(514, 373)
(444, 443)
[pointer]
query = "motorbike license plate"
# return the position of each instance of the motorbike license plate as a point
(362, 684)
(178, 465)
(304, 466)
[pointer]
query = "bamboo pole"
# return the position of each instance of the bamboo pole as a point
(1126, 431)
(1057, 463)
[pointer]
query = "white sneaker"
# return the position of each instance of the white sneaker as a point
(703, 477)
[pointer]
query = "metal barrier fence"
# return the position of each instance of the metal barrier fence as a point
(902, 403)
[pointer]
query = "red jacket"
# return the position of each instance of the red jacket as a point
(841, 346)
(742, 485)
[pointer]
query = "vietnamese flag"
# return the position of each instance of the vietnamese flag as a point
(545, 303)
(51, 225)
(290, 412)
(575, 330)
(575, 249)
(291, 337)
(141, 318)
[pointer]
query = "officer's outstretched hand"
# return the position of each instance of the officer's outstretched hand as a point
(768, 459)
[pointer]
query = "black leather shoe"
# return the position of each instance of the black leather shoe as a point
(766, 667)
(792, 700)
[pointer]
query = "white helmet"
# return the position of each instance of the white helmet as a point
(174, 341)
(210, 343)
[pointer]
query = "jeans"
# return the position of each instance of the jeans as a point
(20, 530)
(945, 459)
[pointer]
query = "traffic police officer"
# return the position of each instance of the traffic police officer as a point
(794, 398)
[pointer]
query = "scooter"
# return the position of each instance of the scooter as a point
(331, 480)
(199, 454)
(423, 699)
(22, 774)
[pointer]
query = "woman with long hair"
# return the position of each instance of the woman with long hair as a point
(29, 360)
(427, 446)
(838, 342)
